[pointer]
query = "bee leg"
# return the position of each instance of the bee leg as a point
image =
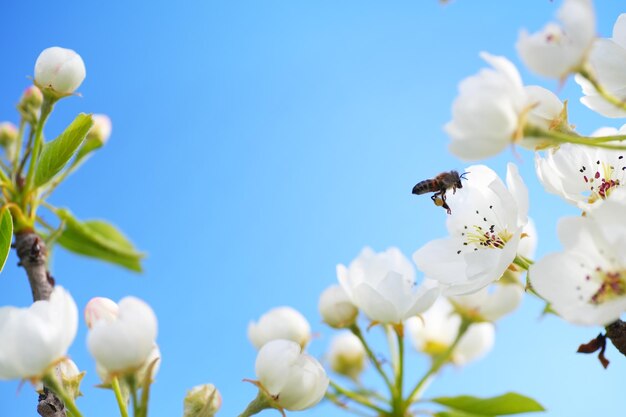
(445, 204)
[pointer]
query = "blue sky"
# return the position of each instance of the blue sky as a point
(256, 145)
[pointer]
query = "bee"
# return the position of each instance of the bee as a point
(439, 185)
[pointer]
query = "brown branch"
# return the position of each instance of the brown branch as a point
(33, 254)
(616, 332)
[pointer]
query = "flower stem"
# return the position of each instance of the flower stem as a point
(357, 332)
(260, 403)
(115, 383)
(357, 398)
(560, 137)
(46, 109)
(610, 98)
(522, 262)
(398, 403)
(18, 147)
(438, 362)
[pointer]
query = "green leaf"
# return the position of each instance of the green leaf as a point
(57, 153)
(509, 403)
(6, 235)
(98, 239)
(454, 413)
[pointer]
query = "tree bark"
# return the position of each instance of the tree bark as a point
(33, 255)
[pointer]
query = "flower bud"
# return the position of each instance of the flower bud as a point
(59, 71)
(347, 355)
(8, 134)
(68, 375)
(336, 308)
(122, 344)
(101, 129)
(100, 308)
(293, 379)
(202, 401)
(8, 139)
(435, 331)
(280, 323)
(30, 103)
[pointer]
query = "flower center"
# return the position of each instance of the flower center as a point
(485, 236)
(603, 180)
(612, 285)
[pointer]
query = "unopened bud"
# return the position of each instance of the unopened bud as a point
(336, 308)
(69, 376)
(30, 103)
(202, 401)
(280, 323)
(101, 129)
(59, 71)
(100, 308)
(347, 355)
(8, 134)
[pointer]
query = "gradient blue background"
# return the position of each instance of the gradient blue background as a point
(256, 144)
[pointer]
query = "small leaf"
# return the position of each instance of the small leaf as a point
(6, 235)
(509, 403)
(454, 413)
(98, 239)
(57, 153)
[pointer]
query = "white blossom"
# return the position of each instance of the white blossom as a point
(294, 379)
(122, 343)
(582, 175)
(59, 70)
(607, 61)
(557, 50)
(586, 282)
(336, 308)
(383, 286)
(492, 109)
(436, 329)
(485, 228)
(280, 323)
(34, 339)
(346, 355)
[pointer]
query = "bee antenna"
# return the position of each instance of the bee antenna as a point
(463, 175)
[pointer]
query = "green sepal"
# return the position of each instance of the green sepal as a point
(57, 153)
(98, 239)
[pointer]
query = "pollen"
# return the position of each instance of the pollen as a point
(602, 179)
(612, 285)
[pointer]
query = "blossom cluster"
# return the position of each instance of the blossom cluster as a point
(470, 278)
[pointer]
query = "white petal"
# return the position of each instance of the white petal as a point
(274, 362)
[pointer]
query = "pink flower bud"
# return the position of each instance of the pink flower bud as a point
(100, 308)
